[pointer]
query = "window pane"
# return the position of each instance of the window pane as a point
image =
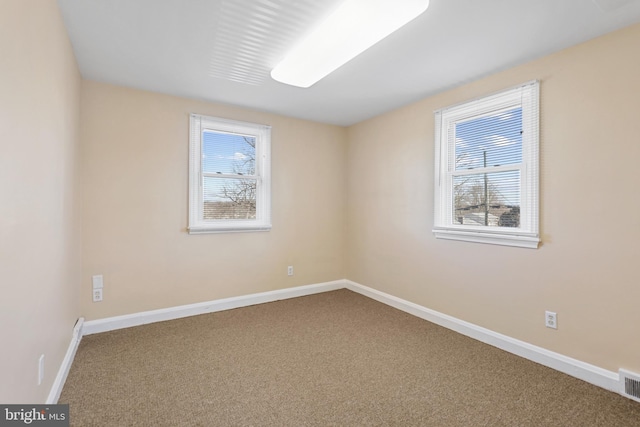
(491, 199)
(488, 141)
(229, 198)
(228, 153)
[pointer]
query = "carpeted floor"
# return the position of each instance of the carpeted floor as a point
(332, 359)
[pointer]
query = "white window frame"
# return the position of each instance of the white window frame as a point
(527, 235)
(198, 124)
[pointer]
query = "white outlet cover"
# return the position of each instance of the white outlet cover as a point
(97, 281)
(551, 319)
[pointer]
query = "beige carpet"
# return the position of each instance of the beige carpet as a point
(332, 359)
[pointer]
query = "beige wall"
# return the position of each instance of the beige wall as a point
(587, 267)
(135, 202)
(39, 208)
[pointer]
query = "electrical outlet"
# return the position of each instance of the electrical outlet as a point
(290, 270)
(551, 319)
(40, 369)
(97, 283)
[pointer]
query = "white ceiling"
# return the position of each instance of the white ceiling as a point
(223, 50)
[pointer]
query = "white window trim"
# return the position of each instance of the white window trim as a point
(527, 235)
(262, 134)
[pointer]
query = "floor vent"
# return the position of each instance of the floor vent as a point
(630, 385)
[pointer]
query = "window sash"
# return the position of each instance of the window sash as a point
(197, 224)
(526, 235)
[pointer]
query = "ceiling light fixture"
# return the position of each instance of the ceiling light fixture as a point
(352, 28)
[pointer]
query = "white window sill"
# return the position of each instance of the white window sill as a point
(518, 240)
(242, 228)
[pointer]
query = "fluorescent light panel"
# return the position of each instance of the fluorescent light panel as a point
(354, 27)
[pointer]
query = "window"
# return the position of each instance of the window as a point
(486, 169)
(229, 176)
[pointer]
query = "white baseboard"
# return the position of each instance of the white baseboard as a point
(65, 366)
(142, 318)
(590, 373)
